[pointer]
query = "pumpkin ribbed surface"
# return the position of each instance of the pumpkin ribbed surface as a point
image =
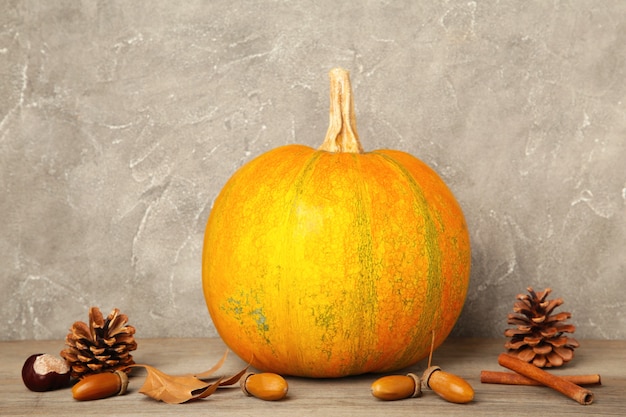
(326, 264)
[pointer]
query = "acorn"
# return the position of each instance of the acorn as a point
(397, 387)
(450, 387)
(100, 385)
(266, 386)
(44, 372)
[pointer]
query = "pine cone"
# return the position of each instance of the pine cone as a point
(103, 345)
(539, 335)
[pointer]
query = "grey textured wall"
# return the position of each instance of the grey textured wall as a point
(120, 121)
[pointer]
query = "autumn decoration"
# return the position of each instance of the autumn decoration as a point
(335, 261)
(103, 344)
(540, 335)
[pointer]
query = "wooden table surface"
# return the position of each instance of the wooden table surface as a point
(324, 397)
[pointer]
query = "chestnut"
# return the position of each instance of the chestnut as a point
(45, 372)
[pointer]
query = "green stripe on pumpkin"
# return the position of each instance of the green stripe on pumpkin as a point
(434, 289)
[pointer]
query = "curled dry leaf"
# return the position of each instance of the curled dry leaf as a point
(234, 379)
(173, 389)
(214, 368)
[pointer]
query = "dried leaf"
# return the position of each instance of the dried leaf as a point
(234, 379)
(180, 389)
(218, 365)
(210, 389)
(171, 389)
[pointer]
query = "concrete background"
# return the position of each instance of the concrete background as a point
(120, 121)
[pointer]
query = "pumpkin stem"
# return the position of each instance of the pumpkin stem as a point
(341, 135)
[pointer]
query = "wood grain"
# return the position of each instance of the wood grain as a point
(325, 397)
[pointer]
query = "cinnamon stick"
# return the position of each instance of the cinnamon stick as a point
(510, 378)
(581, 395)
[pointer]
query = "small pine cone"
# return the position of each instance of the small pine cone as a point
(103, 345)
(538, 337)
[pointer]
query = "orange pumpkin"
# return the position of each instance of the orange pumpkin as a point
(335, 262)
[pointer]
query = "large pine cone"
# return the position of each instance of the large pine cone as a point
(103, 345)
(539, 336)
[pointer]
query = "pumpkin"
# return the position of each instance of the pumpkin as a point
(335, 261)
